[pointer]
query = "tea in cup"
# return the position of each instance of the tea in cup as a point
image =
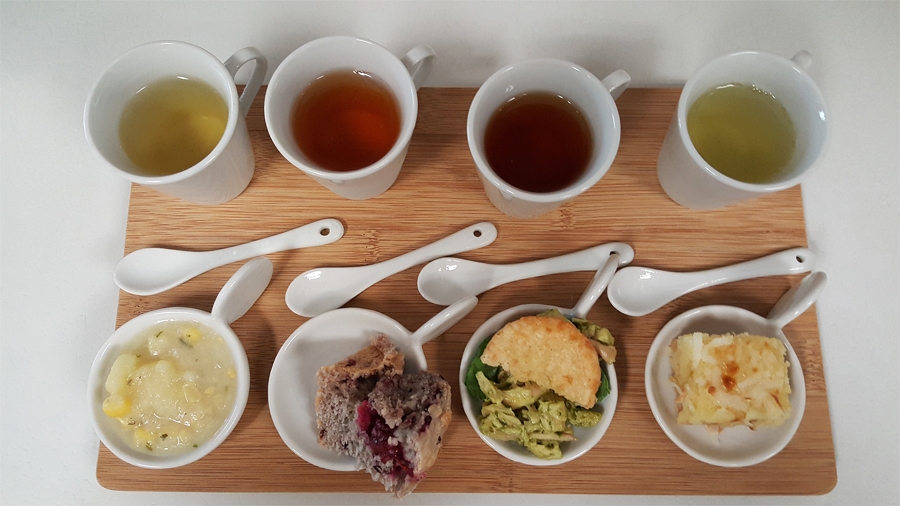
(747, 124)
(343, 109)
(542, 132)
(167, 115)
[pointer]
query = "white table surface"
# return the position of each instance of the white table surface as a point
(64, 215)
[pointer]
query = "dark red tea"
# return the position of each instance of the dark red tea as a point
(345, 120)
(538, 142)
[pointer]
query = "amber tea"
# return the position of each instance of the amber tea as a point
(172, 124)
(538, 142)
(346, 120)
(743, 132)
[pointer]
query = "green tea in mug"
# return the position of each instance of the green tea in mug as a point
(742, 132)
(172, 124)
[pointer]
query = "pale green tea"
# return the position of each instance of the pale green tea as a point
(172, 124)
(743, 132)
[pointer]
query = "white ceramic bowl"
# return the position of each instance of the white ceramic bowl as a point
(585, 437)
(109, 429)
(737, 446)
(236, 298)
(325, 340)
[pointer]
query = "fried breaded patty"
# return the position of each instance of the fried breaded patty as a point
(550, 352)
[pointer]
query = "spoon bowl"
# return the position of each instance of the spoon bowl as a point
(327, 339)
(446, 280)
(149, 271)
(736, 446)
(319, 290)
(638, 291)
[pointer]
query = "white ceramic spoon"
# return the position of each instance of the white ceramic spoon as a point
(736, 446)
(637, 291)
(319, 290)
(585, 437)
(149, 271)
(328, 339)
(446, 280)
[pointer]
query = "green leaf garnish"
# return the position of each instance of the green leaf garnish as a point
(490, 372)
(604, 389)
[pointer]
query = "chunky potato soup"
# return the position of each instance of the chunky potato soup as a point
(174, 389)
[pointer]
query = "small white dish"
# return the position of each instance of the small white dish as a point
(325, 340)
(235, 298)
(585, 438)
(737, 446)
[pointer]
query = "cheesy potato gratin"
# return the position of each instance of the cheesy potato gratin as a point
(730, 380)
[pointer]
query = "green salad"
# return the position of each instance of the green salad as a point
(535, 417)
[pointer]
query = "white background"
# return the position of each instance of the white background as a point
(64, 216)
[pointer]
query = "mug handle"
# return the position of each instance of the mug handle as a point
(237, 61)
(616, 83)
(419, 61)
(803, 59)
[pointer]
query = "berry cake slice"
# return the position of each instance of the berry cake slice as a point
(391, 422)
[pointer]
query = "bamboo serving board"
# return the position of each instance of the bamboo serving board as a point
(438, 192)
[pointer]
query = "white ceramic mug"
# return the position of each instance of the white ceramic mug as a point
(690, 181)
(226, 171)
(402, 76)
(595, 98)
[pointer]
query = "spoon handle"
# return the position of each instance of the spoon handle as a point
(242, 290)
(585, 260)
(597, 286)
(469, 238)
(791, 261)
(317, 233)
(797, 300)
(441, 322)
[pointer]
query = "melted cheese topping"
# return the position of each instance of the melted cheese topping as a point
(729, 380)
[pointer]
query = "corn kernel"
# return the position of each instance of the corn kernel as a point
(232, 374)
(116, 406)
(192, 335)
(143, 439)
